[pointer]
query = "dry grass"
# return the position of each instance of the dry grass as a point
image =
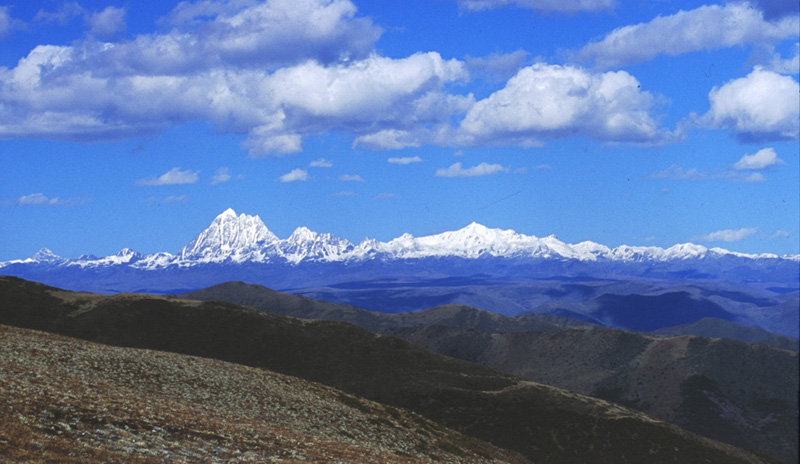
(69, 401)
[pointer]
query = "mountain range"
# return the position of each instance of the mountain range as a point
(639, 288)
(243, 245)
(540, 422)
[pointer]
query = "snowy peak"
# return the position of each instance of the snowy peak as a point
(46, 256)
(228, 237)
(305, 244)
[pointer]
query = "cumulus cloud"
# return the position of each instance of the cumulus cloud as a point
(172, 177)
(39, 199)
(388, 139)
(759, 107)
(321, 163)
(761, 159)
(93, 91)
(708, 27)
(108, 22)
(296, 175)
(483, 169)
(405, 160)
(222, 175)
(561, 6)
(728, 235)
(548, 101)
(351, 178)
(274, 31)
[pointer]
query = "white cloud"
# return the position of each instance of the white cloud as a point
(167, 199)
(321, 163)
(39, 199)
(728, 235)
(7, 23)
(296, 175)
(569, 6)
(786, 65)
(273, 32)
(137, 87)
(761, 159)
(351, 178)
(405, 160)
(708, 27)
(222, 175)
(66, 13)
(172, 177)
(497, 66)
(676, 172)
(547, 101)
(679, 173)
(483, 169)
(759, 107)
(388, 139)
(108, 22)
(782, 233)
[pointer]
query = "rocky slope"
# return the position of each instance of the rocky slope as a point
(70, 401)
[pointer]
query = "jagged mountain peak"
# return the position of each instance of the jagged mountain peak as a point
(229, 236)
(45, 255)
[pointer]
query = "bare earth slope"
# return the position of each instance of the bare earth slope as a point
(545, 424)
(71, 401)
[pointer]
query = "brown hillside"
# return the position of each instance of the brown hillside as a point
(69, 401)
(545, 424)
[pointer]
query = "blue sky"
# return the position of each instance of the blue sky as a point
(133, 124)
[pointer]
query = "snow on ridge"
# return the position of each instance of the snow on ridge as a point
(236, 239)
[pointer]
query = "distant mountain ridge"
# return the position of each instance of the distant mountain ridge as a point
(244, 238)
(241, 247)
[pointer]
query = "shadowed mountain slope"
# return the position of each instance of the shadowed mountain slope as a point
(719, 328)
(731, 391)
(544, 423)
(611, 364)
(70, 401)
(451, 315)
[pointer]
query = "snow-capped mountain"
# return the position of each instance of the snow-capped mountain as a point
(235, 244)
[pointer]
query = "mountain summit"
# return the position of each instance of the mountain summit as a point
(229, 237)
